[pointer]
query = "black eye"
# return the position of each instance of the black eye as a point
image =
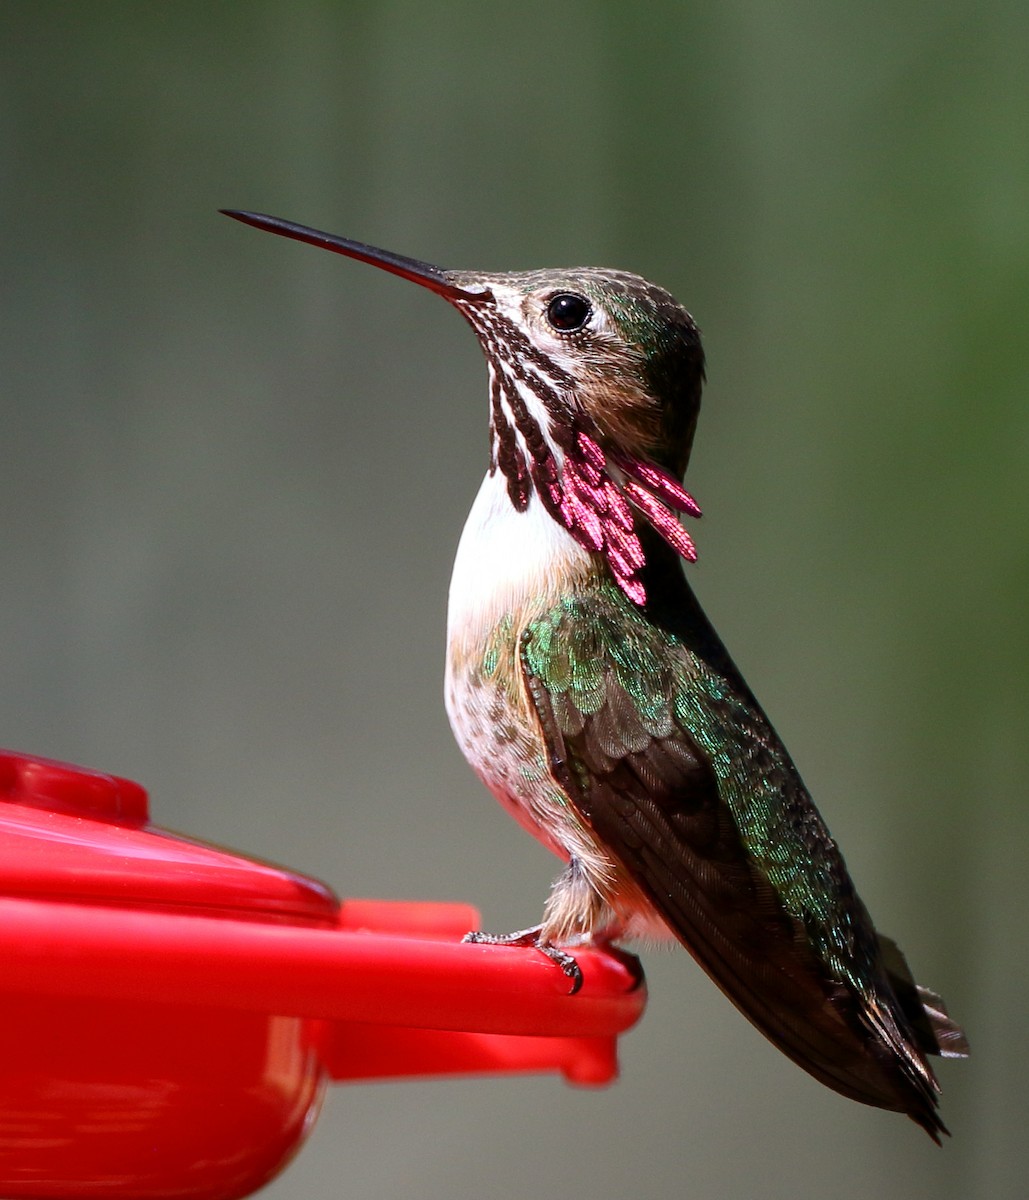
(568, 312)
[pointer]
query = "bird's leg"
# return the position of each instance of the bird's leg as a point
(574, 910)
(532, 937)
(578, 914)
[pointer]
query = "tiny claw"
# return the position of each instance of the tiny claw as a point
(566, 962)
(531, 937)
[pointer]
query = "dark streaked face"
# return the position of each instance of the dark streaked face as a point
(625, 352)
(595, 383)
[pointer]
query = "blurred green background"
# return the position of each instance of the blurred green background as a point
(234, 472)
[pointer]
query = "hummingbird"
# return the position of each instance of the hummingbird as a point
(591, 695)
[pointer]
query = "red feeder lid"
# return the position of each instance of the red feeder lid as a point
(67, 833)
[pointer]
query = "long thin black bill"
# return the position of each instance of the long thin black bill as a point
(434, 278)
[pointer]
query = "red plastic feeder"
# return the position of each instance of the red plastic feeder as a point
(170, 1012)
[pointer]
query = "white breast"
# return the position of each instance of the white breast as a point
(504, 559)
(511, 565)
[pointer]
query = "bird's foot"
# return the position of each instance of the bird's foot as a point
(532, 937)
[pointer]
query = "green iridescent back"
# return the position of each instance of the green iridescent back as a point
(622, 688)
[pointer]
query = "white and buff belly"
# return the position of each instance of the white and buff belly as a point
(510, 568)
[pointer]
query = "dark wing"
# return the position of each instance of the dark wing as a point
(689, 789)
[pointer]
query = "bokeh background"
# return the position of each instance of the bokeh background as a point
(234, 472)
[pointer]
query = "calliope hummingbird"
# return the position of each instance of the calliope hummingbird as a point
(594, 699)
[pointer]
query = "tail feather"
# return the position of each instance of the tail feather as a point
(936, 1030)
(950, 1038)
